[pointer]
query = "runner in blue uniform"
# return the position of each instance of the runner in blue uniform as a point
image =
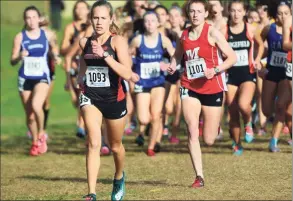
(149, 48)
(31, 46)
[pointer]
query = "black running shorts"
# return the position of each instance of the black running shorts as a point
(214, 100)
(115, 110)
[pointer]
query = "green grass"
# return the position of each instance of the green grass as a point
(12, 11)
(60, 174)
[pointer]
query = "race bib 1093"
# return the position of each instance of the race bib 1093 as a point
(97, 76)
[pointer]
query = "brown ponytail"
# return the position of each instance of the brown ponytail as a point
(114, 29)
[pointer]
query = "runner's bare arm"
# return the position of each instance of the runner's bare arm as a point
(82, 66)
(16, 55)
(123, 66)
(68, 32)
(287, 42)
(52, 38)
(177, 57)
(168, 46)
(259, 41)
(72, 52)
(134, 45)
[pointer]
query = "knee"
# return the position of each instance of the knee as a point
(209, 141)
(37, 106)
(168, 109)
(144, 120)
(155, 117)
(31, 118)
(94, 145)
(234, 115)
(280, 108)
(116, 147)
(266, 112)
(244, 107)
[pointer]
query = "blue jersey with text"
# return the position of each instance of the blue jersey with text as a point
(276, 55)
(148, 64)
(35, 65)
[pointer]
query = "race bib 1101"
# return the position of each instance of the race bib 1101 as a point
(34, 66)
(97, 76)
(150, 70)
(195, 68)
(278, 59)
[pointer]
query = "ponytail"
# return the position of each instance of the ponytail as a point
(114, 29)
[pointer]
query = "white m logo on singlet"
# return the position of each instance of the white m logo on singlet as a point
(192, 54)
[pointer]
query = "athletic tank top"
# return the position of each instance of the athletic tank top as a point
(242, 44)
(276, 55)
(148, 64)
(198, 55)
(35, 65)
(101, 82)
(75, 34)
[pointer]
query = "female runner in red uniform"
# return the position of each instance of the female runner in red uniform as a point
(203, 81)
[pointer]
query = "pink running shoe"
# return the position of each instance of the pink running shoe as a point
(151, 152)
(174, 140)
(262, 132)
(105, 151)
(198, 182)
(34, 151)
(43, 147)
(128, 131)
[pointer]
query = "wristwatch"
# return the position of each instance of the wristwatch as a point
(105, 55)
(217, 70)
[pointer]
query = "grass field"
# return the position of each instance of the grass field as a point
(60, 174)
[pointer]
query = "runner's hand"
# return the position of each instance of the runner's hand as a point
(97, 49)
(262, 73)
(257, 65)
(209, 73)
(23, 53)
(134, 77)
(164, 66)
(172, 67)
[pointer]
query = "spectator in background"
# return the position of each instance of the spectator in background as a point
(253, 17)
(136, 10)
(153, 4)
(56, 6)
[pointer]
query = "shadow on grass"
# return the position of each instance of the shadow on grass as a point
(65, 143)
(102, 180)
